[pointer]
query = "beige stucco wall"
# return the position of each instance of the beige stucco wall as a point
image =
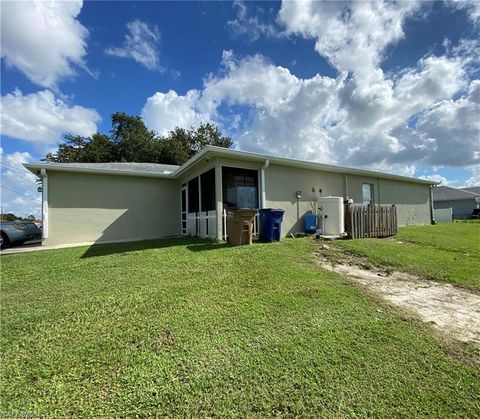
(282, 182)
(412, 200)
(105, 208)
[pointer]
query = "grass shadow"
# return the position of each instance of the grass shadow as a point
(205, 246)
(104, 249)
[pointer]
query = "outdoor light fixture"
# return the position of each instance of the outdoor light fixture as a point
(39, 189)
(299, 194)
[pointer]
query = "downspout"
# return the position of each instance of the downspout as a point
(43, 175)
(345, 178)
(262, 175)
(432, 213)
(379, 201)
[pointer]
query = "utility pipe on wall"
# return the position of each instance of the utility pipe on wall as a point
(263, 204)
(432, 213)
(379, 201)
(345, 179)
(43, 175)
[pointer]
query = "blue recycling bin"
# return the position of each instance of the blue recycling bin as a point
(310, 223)
(271, 224)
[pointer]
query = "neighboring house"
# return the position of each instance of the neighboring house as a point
(108, 202)
(462, 201)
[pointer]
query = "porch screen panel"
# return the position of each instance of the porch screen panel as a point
(193, 204)
(184, 197)
(208, 190)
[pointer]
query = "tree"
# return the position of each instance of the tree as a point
(77, 149)
(70, 151)
(207, 134)
(180, 144)
(98, 150)
(131, 141)
(31, 217)
(175, 147)
(10, 217)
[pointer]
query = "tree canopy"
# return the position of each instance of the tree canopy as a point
(9, 216)
(130, 140)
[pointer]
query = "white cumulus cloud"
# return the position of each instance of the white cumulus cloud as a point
(42, 118)
(251, 81)
(351, 35)
(43, 39)
(165, 111)
(454, 129)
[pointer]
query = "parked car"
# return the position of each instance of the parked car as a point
(18, 232)
(38, 223)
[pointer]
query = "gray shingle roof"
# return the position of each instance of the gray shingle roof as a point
(447, 193)
(122, 167)
(209, 151)
(475, 189)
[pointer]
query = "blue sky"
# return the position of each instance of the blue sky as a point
(387, 86)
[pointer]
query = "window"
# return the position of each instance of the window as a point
(367, 193)
(240, 187)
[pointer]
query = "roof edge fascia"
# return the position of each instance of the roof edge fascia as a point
(36, 167)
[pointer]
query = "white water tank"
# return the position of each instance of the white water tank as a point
(331, 211)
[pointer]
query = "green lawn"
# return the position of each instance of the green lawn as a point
(444, 252)
(185, 328)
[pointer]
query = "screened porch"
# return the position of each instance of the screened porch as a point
(239, 189)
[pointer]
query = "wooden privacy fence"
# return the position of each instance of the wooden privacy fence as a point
(370, 220)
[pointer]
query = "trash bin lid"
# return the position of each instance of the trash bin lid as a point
(248, 212)
(272, 210)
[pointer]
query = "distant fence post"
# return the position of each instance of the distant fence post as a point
(372, 220)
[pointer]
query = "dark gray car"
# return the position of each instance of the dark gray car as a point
(18, 232)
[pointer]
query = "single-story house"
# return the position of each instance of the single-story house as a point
(462, 200)
(113, 202)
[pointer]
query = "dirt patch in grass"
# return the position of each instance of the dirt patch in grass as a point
(164, 340)
(453, 311)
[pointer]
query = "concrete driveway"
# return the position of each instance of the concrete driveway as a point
(29, 246)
